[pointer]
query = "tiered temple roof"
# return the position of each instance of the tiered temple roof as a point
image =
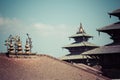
(104, 50)
(80, 45)
(114, 31)
(81, 39)
(109, 55)
(114, 47)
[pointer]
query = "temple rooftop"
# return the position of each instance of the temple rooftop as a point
(115, 13)
(73, 57)
(80, 35)
(44, 67)
(81, 44)
(114, 26)
(115, 49)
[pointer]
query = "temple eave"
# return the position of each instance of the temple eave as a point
(111, 27)
(104, 50)
(73, 57)
(82, 44)
(115, 13)
(80, 35)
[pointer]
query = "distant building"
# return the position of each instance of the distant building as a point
(80, 45)
(108, 56)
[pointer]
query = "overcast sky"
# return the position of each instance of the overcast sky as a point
(51, 22)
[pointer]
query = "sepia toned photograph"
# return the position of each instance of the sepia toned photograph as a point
(59, 40)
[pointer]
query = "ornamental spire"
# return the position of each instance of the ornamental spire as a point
(81, 30)
(14, 45)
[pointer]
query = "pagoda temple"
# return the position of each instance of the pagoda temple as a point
(109, 55)
(80, 45)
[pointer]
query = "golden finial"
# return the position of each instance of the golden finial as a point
(81, 30)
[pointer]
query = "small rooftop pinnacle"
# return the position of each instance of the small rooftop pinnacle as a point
(81, 33)
(81, 30)
(14, 47)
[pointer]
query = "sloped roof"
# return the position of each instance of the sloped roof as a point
(81, 44)
(114, 26)
(104, 50)
(115, 13)
(80, 35)
(88, 68)
(42, 67)
(71, 57)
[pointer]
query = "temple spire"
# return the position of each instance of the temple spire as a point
(81, 30)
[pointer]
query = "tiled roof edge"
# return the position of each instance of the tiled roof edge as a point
(73, 65)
